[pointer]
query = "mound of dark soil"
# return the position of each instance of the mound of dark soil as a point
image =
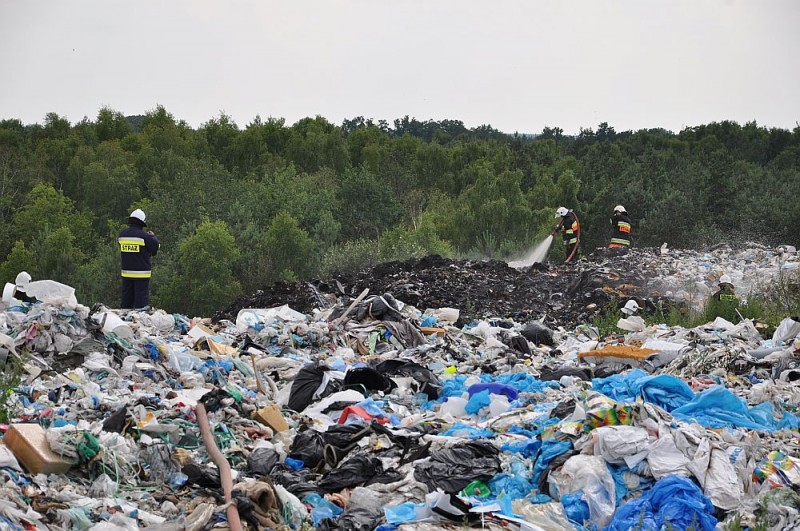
(565, 294)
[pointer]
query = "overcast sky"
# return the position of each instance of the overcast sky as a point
(517, 65)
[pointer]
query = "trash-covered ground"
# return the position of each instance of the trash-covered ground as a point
(409, 408)
(560, 295)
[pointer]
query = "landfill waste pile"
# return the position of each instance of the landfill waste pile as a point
(560, 295)
(367, 411)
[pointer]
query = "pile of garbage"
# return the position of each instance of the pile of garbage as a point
(556, 294)
(369, 411)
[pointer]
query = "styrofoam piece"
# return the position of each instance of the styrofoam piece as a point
(52, 292)
(8, 292)
(250, 317)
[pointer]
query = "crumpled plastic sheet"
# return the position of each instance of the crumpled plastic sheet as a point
(454, 468)
(673, 501)
(590, 476)
(663, 390)
(719, 408)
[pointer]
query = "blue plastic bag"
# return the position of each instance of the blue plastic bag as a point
(321, 509)
(398, 514)
(471, 432)
(515, 484)
(527, 448)
(663, 390)
(673, 501)
(719, 408)
(453, 387)
(429, 320)
(551, 448)
(523, 382)
(576, 508)
(477, 402)
(494, 388)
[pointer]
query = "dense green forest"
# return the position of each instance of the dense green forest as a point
(237, 208)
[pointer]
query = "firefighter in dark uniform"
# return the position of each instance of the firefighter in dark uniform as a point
(620, 230)
(724, 303)
(137, 247)
(570, 229)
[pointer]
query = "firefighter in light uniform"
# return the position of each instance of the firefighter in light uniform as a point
(137, 247)
(570, 231)
(620, 230)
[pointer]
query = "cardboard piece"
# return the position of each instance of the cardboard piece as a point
(432, 330)
(30, 447)
(272, 417)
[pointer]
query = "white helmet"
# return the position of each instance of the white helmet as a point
(22, 280)
(138, 214)
(725, 279)
(561, 212)
(620, 208)
(631, 307)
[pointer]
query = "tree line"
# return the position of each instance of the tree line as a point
(238, 208)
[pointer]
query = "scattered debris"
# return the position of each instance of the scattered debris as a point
(452, 393)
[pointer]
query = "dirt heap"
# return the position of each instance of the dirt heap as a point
(562, 294)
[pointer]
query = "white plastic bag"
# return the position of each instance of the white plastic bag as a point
(665, 458)
(589, 474)
(621, 444)
(787, 330)
(634, 323)
(52, 292)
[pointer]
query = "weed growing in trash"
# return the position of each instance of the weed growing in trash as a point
(606, 322)
(10, 378)
(675, 316)
(782, 295)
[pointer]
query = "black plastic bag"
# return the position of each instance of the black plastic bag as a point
(563, 409)
(454, 468)
(343, 435)
(361, 378)
(538, 334)
(116, 421)
(305, 385)
(386, 477)
(356, 471)
(262, 460)
(298, 482)
(309, 447)
(340, 440)
(429, 383)
(355, 519)
(202, 476)
(381, 308)
(518, 343)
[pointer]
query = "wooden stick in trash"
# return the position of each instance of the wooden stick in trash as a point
(259, 385)
(341, 319)
(222, 464)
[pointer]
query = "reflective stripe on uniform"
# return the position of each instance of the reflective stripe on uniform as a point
(135, 274)
(130, 245)
(573, 241)
(620, 241)
(624, 227)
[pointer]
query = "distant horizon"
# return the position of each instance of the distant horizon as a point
(289, 123)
